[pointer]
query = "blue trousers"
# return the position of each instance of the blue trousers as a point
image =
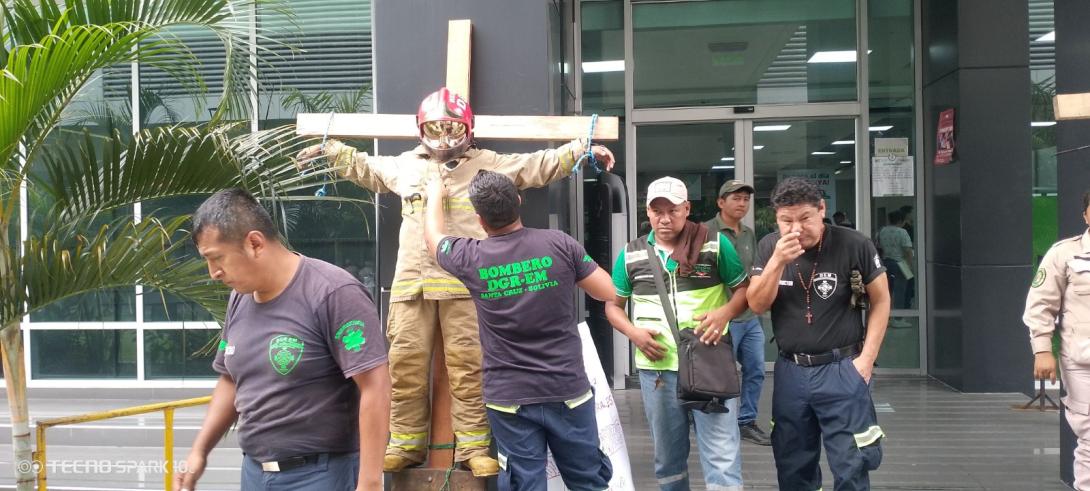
(898, 285)
(571, 433)
(716, 434)
(829, 403)
(337, 472)
(749, 350)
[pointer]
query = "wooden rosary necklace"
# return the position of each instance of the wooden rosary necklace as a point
(813, 274)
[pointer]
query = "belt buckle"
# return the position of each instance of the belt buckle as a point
(273, 466)
(802, 359)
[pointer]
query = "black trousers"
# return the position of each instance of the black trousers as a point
(827, 403)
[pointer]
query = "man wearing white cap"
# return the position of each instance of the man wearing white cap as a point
(699, 267)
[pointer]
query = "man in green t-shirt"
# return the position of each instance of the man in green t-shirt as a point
(745, 330)
(700, 266)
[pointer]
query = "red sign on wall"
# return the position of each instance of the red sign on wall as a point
(944, 140)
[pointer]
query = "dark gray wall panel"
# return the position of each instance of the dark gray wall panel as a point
(997, 355)
(944, 324)
(988, 33)
(993, 153)
(940, 40)
(512, 73)
(1072, 76)
(979, 215)
(943, 183)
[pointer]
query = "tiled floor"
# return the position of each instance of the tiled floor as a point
(936, 438)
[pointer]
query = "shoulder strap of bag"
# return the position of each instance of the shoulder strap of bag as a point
(660, 285)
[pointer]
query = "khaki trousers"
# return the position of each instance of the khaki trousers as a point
(1076, 379)
(411, 331)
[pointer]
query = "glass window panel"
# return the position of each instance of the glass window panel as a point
(101, 108)
(821, 150)
(160, 306)
(164, 100)
(602, 32)
(892, 110)
(81, 354)
(333, 74)
(180, 353)
(1042, 65)
(901, 346)
(730, 52)
(701, 155)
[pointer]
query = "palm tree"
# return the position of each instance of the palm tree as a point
(49, 51)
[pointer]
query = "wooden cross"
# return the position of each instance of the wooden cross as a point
(403, 126)
(1071, 106)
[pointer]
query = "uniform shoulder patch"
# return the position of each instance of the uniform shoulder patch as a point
(1039, 277)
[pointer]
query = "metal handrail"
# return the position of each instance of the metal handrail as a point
(168, 431)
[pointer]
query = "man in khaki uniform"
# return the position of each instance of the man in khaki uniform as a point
(1058, 292)
(424, 297)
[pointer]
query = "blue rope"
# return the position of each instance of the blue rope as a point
(322, 191)
(589, 155)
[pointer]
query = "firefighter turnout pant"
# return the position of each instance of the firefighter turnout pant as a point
(411, 331)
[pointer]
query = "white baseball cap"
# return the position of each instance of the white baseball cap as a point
(667, 187)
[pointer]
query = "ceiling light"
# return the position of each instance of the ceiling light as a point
(727, 159)
(722, 167)
(834, 56)
(1041, 123)
(603, 66)
(845, 161)
(758, 147)
(772, 127)
(881, 128)
(1047, 38)
(822, 153)
(844, 142)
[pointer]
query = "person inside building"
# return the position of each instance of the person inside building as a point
(745, 330)
(821, 391)
(536, 389)
(897, 257)
(302, 361)
(703, 269)
(425, 300)
(841, 219)
(1057, 293)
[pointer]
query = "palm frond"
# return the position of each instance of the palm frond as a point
(323, 101)
(122, 253)
(94, 177)
(58, 47)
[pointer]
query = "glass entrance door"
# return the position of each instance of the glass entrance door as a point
(822, 150)
(762, 152)
(701, 155)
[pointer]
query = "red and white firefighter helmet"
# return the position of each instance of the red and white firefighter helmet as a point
(445, 123)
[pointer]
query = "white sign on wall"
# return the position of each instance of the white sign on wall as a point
(893, 171)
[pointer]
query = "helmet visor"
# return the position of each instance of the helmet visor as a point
(444, 130)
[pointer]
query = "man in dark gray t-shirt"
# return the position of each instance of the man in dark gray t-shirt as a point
(535, 385)
(302, 360)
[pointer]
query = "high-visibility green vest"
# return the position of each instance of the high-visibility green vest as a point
(696, 294)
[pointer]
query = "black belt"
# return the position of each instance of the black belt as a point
(809, 360)
(290, 463)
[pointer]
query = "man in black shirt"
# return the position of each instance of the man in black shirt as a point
(822, 380)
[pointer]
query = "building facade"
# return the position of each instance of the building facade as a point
(846, 92)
